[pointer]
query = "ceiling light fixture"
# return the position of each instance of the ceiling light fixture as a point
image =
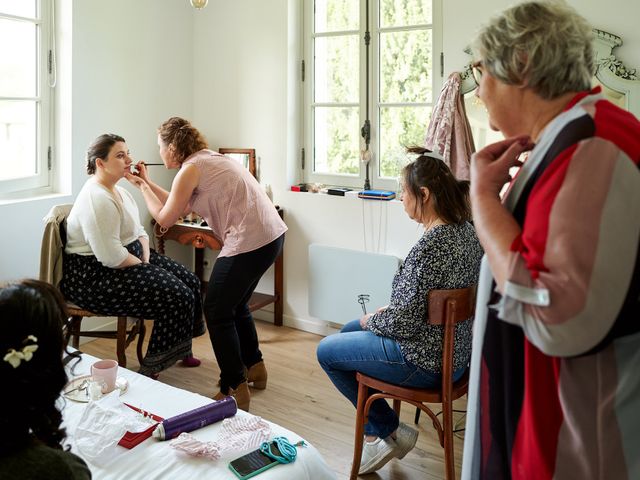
(199, 4)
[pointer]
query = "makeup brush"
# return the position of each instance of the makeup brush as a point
(134, 170)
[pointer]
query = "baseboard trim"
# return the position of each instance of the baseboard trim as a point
(306, 325)
(311, 326)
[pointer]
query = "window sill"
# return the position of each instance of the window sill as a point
(23, 198)
(353, 194)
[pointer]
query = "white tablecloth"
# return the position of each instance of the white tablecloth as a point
(153, 459)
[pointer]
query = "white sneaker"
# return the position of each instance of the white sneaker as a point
(376, 454)
(406, 438)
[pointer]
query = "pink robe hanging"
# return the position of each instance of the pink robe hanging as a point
(449, 131)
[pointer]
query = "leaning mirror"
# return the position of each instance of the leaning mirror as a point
(245, 156)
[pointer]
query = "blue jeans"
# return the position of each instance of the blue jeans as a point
(356, 350)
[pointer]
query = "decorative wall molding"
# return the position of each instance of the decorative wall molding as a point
(605, 44)
(620, 83)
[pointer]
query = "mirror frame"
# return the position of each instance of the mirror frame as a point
(251, 157)
(612, 73)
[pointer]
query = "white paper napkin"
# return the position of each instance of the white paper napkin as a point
(101, 427)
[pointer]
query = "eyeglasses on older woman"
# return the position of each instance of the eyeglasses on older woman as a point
(476, 71)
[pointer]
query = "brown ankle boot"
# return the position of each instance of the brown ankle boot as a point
(246, 372)
(257, 375)
(240, 393)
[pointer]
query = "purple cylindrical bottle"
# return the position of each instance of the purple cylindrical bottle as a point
(196, 418)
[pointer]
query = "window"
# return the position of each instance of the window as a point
(405, 44)
(25, 96)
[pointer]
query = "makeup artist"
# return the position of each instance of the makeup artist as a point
(109, 269)
(248, 226)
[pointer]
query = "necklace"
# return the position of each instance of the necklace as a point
(433, 223)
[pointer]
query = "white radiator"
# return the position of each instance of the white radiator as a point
(339, 276)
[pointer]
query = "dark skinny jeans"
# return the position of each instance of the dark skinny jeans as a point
(231, 327)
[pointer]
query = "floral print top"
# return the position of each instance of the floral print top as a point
(445, 257)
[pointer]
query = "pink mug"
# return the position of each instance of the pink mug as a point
(105, 371)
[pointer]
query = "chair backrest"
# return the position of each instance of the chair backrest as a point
(448, 308)
(455, 305)
(52, 244)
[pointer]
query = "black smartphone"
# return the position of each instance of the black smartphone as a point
(253, 463)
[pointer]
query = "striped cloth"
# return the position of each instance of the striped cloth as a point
(554, 390)
(239, 434)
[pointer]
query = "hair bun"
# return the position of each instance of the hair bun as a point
(423, 151)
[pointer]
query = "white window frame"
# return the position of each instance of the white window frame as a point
(41, 182)
(357, 181)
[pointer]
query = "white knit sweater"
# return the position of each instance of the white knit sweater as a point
(101, 224)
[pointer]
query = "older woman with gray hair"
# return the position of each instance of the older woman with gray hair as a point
(553, 369)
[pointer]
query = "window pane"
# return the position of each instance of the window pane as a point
(18, 58)
(399, 13)
(20, 8)
(400, 127)
(17, 139)
(337, 141)
(336, 69)
(336, 15)
(405, 66)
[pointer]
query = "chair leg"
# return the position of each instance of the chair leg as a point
(447, 426)
(74, 331)
(67, 332)
(121, 341)
(142, 330)
(359, 439)
(396, 406)
(416, 419)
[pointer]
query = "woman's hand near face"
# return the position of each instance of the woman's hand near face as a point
(490, 166)
(495, 225)
(136, 181)
(142, 171)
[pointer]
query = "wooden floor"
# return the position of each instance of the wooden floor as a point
(300, 397)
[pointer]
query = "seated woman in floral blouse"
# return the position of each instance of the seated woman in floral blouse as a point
(396, 344)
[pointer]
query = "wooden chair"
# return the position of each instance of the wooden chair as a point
(447, 308)
(123, 334)
(53, 243)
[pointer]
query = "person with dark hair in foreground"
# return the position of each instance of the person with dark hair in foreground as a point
(396, 344)
(32, 375)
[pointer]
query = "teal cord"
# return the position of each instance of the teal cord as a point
(287, 449)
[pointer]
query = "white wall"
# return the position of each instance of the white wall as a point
(131, 67)
(462, 18)
(231, 68)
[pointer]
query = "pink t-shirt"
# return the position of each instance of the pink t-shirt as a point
(234, 204)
